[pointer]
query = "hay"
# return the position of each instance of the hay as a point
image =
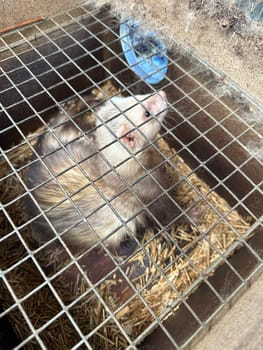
(166, 267)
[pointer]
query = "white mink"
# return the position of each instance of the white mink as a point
(104, 185)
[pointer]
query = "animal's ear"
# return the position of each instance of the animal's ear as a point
(127, 137)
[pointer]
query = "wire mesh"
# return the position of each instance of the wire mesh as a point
(210, 125)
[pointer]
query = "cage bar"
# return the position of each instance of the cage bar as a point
(205, 141)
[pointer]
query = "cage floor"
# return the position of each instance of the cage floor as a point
(210, 141)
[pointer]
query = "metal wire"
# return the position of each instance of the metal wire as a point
(35, 47)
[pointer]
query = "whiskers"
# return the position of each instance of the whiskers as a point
(171, 119)
(169, 123)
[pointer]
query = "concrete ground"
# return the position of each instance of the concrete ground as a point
(241, 328)
(16, 11)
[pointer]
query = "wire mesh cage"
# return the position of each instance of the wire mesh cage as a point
(150, 289)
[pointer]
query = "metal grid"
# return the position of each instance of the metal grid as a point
(31, 77)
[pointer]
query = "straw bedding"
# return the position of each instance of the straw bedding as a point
(166, 265)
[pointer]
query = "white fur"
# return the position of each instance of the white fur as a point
(129, 113)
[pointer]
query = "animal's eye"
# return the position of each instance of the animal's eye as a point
(147, 114)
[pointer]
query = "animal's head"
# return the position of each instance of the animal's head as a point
(127, 124)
